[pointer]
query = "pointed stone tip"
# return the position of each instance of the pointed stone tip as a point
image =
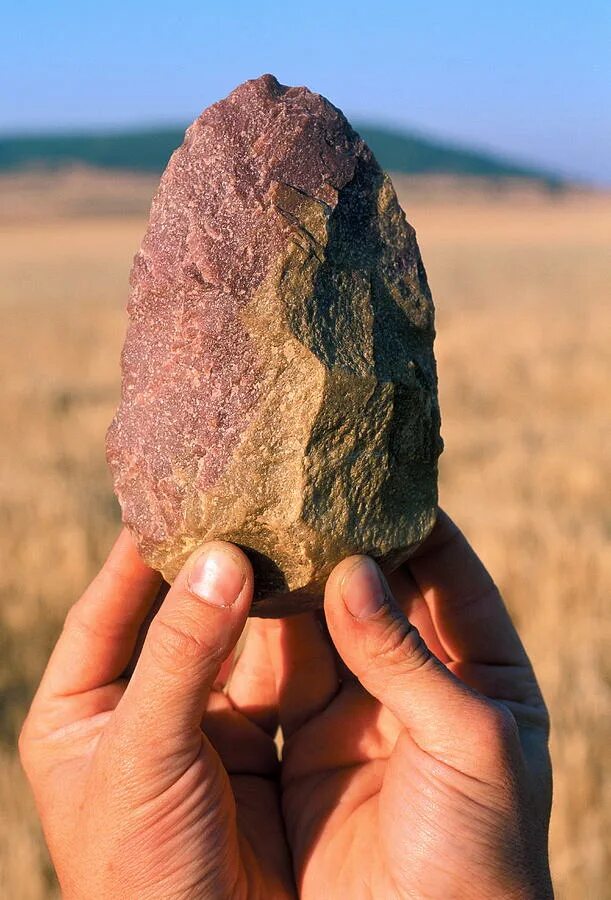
(271, 83)
(266, 85)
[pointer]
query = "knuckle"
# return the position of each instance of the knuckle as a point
(23, 741)
(24, 747)
(76, 621)
(80, 620)
(399, 646)
(546, 723)
(177, 647)
(73, 618)
(500, 729)
(538, 710)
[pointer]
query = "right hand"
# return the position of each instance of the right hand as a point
(417, 765)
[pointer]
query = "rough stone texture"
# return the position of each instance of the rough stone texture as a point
(279, 385)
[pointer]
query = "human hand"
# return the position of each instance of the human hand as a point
(136, 801)
(429, 776)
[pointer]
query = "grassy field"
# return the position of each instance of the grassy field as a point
(522, 286)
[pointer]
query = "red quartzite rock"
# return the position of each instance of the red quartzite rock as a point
(279, 385)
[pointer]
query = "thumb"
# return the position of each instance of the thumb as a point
(195, 630)
(386, 653)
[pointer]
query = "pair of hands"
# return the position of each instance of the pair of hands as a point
(414, 762)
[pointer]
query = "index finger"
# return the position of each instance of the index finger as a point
(101, 629)
(466, 607)
(303, 664)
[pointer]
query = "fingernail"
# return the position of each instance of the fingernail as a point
(217, 577)
(362, 589)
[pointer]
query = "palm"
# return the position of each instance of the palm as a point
(336, 779)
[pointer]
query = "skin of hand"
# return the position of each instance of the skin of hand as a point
(135, 799)
(415, 762)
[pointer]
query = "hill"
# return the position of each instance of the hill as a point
(410, 154)
(149, 150)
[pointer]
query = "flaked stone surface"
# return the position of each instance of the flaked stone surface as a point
(279, 385)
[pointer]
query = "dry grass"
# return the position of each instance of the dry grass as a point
(522, 289)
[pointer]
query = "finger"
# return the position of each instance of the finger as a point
(152, 611)
(243, 747)
(303, 664)
(466, 607)
(514, 686)
(227, 667)
(393, 663)
(252, 685)
(101, 629)
(193, 633)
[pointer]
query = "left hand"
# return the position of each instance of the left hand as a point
(160, 785)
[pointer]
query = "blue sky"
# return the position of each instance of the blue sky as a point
(529, 79)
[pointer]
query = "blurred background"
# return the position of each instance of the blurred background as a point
(495, 122)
